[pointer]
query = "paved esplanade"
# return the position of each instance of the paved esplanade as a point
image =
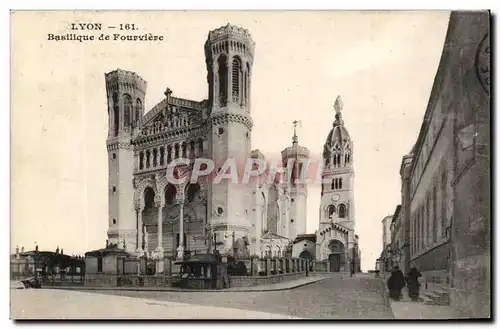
(359, 297)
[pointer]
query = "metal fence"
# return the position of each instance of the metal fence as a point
(50, 275)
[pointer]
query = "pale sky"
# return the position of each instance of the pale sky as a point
(382, 64)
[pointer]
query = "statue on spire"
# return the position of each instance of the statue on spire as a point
(295, 138)
(338, 105)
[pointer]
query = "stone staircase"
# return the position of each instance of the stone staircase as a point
(436, 296)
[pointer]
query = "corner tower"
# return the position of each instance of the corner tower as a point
(337, 196)
(229, 53)
(125, 93)
(296, 156)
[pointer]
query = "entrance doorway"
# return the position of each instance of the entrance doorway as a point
(334, 260)
(306, 255)
(336, 256)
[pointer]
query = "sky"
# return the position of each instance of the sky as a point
(382, 64)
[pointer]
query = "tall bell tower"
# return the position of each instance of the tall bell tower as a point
(125, 93)
(296, 156)
(337, 194)
(229, 52)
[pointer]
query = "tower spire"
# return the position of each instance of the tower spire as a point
(338, 106)
(295, 138)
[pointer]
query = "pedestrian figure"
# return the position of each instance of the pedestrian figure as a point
(413, 284)
(395, 283)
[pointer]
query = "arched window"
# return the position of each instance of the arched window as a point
(148, 157)
(176, 151)
(333, 184)
(200, 147)
(162, 156)
(236, 79)
(155, 157)
(170, 193)
(192, 192)
(127, 108)
(247, 84)
(184, 148)
(338, 159)
(141, 160)
(245, 87)
(222, 63)
(169, 154)
(116, 114)
(340, 183)
(331, 210)
(334, 160)
(342, 211)
(138, 109)
(191, 149)
(149, 197)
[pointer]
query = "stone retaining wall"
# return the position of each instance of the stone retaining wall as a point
(109, 280)
(252, 281)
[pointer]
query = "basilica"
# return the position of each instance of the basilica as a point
(150, 214)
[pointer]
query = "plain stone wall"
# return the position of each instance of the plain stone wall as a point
(110, 264)
(436, 259)
(471, 232)
(100, 280)
(90, 265)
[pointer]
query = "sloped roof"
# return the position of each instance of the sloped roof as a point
(108, 251)
(308, 237)
(272, 236)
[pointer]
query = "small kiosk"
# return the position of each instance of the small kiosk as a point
(202, 272)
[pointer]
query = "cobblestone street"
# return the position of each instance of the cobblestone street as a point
(359, 297)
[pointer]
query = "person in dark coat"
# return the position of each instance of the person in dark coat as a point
(413, 284)
(395, 283)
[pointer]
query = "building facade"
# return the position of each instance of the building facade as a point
(150, 213)
(445, 178)
(405, 213)
(397, 242)
(468, 44)
(385, 260)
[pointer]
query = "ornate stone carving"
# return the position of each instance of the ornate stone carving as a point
(139, 191)
(223, 118)
(159, 202)
(483, 58)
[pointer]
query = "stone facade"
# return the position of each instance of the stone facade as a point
(397, 242)
(431, 195)
(468, 44)
(148, 212)
(386, 231)
(445, 178)
(405, 213)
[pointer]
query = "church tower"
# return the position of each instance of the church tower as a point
(296, 156)
(125, 93)
(337, 193)
(229, 53)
